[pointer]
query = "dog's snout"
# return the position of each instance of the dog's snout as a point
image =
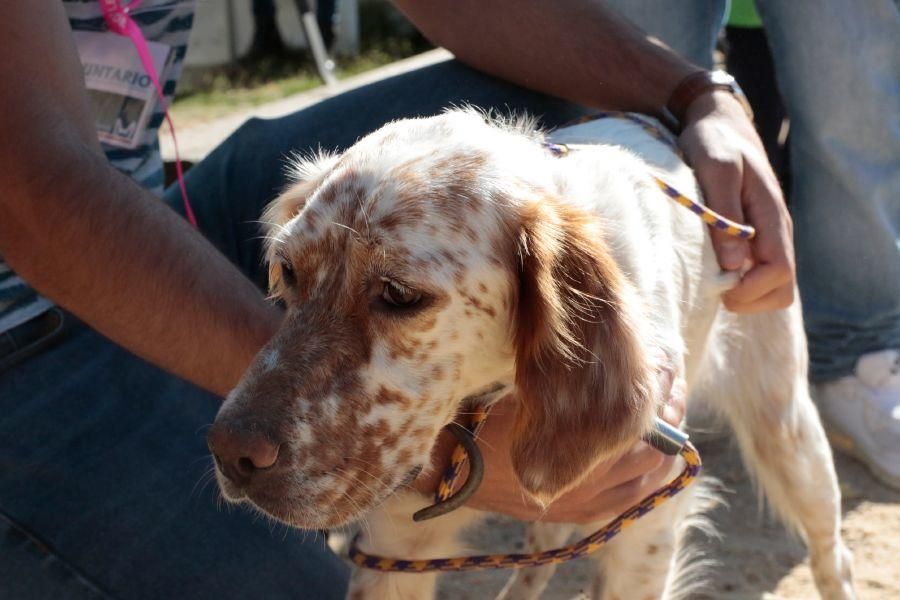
(240, 453)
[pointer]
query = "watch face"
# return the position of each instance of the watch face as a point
(722, 78)
(725, 80)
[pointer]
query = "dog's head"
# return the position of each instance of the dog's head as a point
(431, 260)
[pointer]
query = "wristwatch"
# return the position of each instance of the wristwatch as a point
(693, 86)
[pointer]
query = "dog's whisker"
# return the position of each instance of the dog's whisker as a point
(347, 227)
(349, 479)
(200, 458)
(205, 479)
(345, 495)
(375, 477)
(202, 427)
(375, 495)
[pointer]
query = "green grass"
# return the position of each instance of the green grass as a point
(203, 95)
(213, 93)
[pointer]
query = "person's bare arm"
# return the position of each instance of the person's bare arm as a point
(95, 242)
(584, 51)
(574, 49)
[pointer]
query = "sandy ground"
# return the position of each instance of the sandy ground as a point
(757, 557)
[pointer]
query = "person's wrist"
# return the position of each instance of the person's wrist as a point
(710, 102)
(697, 89)
(716, 103)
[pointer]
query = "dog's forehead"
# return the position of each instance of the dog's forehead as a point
(420, 209)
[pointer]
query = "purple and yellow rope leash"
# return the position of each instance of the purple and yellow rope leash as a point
(664, 437)
(709, 216)
(586, 546)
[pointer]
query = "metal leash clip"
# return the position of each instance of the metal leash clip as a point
(667, 439)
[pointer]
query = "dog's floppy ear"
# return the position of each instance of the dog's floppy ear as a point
(587, 389)
(306, 173)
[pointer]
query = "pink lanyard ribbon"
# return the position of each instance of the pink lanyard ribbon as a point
(115, 12)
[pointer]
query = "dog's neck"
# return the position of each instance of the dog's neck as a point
(489, 394)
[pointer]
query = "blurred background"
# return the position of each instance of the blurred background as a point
(247, 52)
(247, 56)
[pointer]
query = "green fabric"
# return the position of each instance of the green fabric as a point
(743, 14)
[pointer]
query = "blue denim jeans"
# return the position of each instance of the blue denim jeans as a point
(104, 488)
(838, 68)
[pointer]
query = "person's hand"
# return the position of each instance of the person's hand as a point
(612, 487)
(721, 145)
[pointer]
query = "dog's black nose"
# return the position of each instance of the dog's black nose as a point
(240, 453)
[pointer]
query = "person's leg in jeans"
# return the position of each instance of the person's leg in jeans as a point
(105, 490)
(103, 457)
(689, 27)
(838, 67)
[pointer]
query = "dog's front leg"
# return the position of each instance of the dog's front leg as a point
(641, 562)
(366, 584)
(529, 584)
(390, 531)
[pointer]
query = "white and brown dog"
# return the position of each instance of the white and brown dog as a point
(438, 257)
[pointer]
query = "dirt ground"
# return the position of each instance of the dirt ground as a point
(757, 557)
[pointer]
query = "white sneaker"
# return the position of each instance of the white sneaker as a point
(861, 413)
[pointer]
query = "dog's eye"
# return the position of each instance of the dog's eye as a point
(396, 294)
(287, 274)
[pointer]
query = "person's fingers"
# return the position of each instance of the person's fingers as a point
(760, 281)
(769, 284)
(719, 171)
(779, 298)
(731, 167)
(614, 501)
(638, 461)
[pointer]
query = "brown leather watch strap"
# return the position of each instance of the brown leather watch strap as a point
(696, 84)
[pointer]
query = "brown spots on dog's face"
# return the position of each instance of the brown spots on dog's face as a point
(403, 349)
(328, 196)
(455, 180)
(383, 432)
(477, 303)
(404, 456)
(411, 349)
(422, 433)
(311, 220)
(451, 261)
(387, 396)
